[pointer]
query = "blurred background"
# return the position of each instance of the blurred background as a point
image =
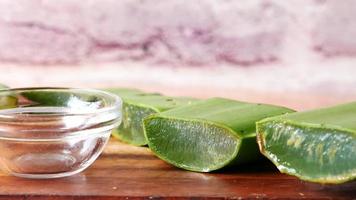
(297, 53)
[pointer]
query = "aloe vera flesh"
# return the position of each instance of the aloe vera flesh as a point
(317, 146)
(136, 106)
(208, 134)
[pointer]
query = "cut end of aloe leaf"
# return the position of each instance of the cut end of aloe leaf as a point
(208, 134)
(131, 128)
(192, 145)
(311, 145)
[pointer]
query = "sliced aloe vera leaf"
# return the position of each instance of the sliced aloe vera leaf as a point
(136, 106)
(317, 145)
(208, 134)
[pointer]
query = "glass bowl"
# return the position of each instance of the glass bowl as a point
(54, 132)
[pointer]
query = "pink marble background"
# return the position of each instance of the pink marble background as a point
(299, 53)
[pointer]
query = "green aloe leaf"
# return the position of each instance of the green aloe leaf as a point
(209, 134)
(136, 106)
(317, 145)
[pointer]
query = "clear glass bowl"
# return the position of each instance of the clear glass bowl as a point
(54, 132)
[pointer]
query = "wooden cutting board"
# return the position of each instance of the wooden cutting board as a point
(127, 172)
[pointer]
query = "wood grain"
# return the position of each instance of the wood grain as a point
(127, 172)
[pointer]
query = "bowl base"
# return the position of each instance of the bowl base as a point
(48, 176)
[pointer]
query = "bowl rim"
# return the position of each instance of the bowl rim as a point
(117, 101)
(13, 115)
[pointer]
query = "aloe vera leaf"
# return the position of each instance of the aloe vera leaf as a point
(136, 106)
(208, 134)
(317, 145)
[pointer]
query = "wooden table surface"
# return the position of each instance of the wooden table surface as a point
(127, 172)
